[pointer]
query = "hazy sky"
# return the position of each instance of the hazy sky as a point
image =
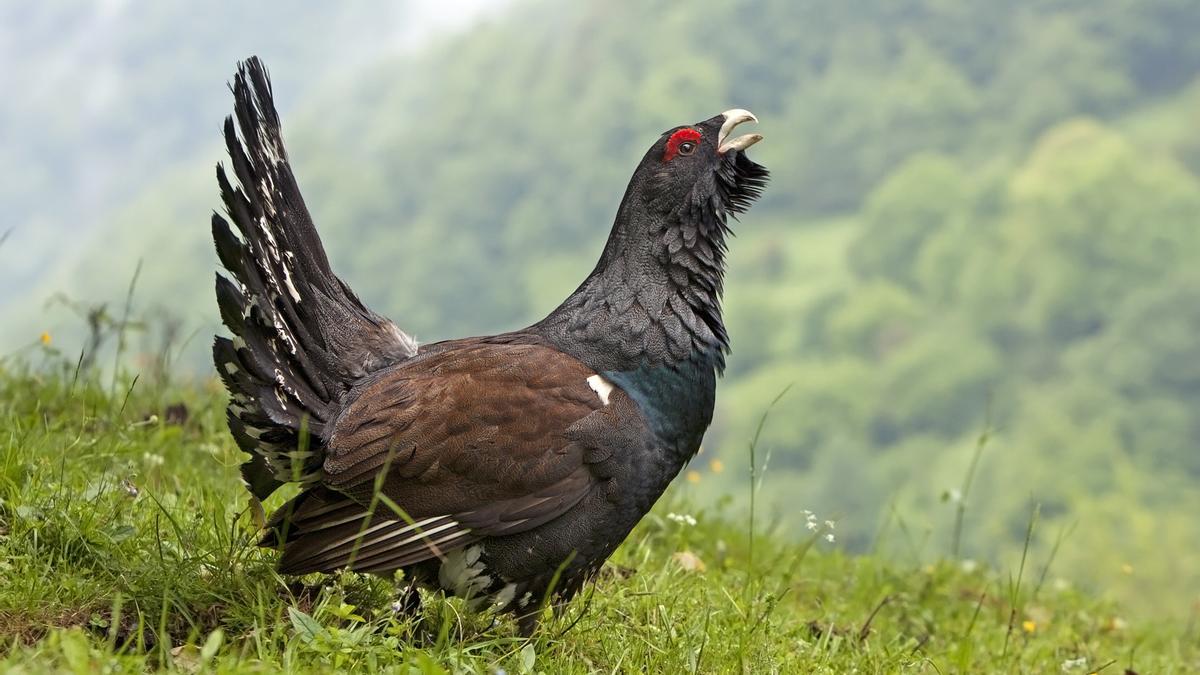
(101, 95)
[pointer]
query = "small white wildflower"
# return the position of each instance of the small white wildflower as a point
(829, 524)
(830, 538)
(808, 513)
(811, 525)
(956, 495)
(1074, 664)
(681, 518)
(969, 565)
(153, 459)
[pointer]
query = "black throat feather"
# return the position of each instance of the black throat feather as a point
(654, 298)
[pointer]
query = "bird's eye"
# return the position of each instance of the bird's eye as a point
(682, 142)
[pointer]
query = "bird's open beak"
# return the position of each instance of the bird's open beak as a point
(732, 119)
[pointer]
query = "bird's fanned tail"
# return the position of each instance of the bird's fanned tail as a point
(301, 337)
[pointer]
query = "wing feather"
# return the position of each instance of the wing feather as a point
(476, 441)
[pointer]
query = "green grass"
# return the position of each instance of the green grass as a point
(126, 545)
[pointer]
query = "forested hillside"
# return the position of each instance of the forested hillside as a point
(983, 216)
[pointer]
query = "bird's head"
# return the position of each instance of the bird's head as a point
(654, 297)
(701, 170)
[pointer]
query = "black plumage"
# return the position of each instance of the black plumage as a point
(497, 466)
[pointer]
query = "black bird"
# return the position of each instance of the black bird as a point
(508, 467)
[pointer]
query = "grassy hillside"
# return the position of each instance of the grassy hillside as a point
(126, 545)
(982, 216)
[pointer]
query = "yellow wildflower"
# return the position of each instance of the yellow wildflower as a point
(45, 338)
(1116, 623)
(689, 561)
(1029, 626)
(717, 466)
(693, 476)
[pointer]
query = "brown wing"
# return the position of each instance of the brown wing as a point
(476, 440)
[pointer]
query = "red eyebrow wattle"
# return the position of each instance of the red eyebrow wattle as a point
(681, 136)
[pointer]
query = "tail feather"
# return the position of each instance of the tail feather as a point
(301, 337)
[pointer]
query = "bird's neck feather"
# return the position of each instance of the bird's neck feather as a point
(654, 297)
(648, 319)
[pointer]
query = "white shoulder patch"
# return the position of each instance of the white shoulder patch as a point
(601, 386)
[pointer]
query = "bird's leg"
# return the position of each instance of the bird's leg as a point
(408, 603)
(527, 623)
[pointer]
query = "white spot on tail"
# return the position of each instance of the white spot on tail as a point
(504, 597)
(463, 572)
(266, 192)
(271, 146)
(287, 276)
(601, 386)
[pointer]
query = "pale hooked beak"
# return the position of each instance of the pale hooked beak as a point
(732, 119)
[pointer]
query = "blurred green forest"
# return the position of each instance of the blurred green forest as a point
(983, 216)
